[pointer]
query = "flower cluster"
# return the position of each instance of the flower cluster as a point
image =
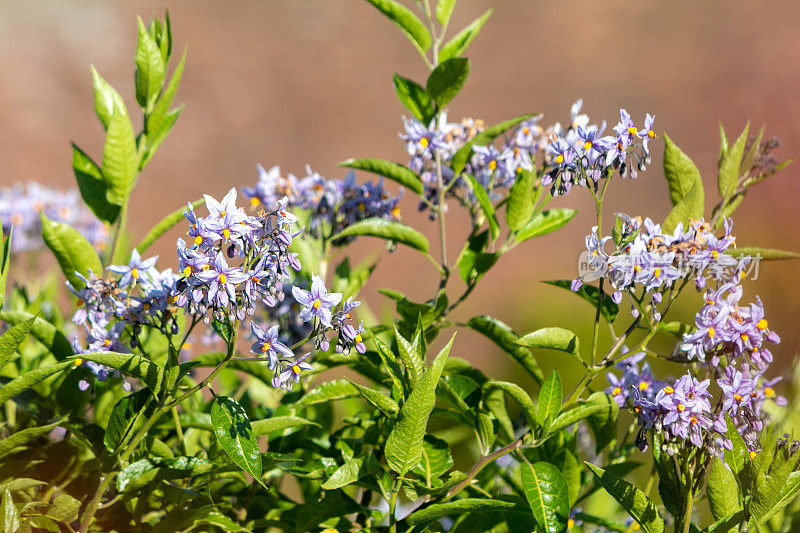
(646, 256)
(332, 204)
(582, 155)
(635, 383)
(20, 207)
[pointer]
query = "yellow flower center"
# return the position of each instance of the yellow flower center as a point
(187, 270)
(317, 303)
(668, 389)
(78, 361)
(681, 408)
(226, 233)
(570, 523)
(712, 332)
(256, 280)
(423, 142)
(744, 337)
(223, 278)
(643, 385)
(617, 391)
(587, 145)
(693, 421)
(107, 343)
(296, 370)
(651, 134)
(762, 324)
(266, 346)
(223, 213)
(632, 130)
(637, 268)
(769, 392)
(135, 273)
(715, 254)
(559, 159)
(357, 338)
(255, 202)
(206, 267)
(737, 397)
(396, 212)
(198, 240)
(753, 454)
(657, 272)
(492, 165)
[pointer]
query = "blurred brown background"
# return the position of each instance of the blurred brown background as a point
(292, 82)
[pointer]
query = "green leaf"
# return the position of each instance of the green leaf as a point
(722, 491)
(279, 423)
(444, 8)
(633, 500)
(30, 379)
(73, 252)
(465, 505)
(166, 224)
(124, 415)
(409, 24)
(350, 472)
(5, 261)
(474, 261)
(729, 523)
(120, 158)
(235, 435)
(447, 79)
(546, 222)
(223, 328)
(388, 406)
(23, 437)
(550, 397)
(769, 254)
(133, 365)
(106, 99)
(92, 186)
(395, 172)
(10, 515)
(572, 475)
(520, 200)
(685, 186)
(547, 494)
(331, 390)
(461, 157)
(553, 338)
(12, 339)
(581, 410)
(458, 44)
(505, 338)
(150, 68)
(404, 445)
(415, 98)
(158, 122)
(485, 203)
(436, 459)
(43, 331)
(603, 423)
(608, 309)
(520, 396)
(386, 229)
(729, 166)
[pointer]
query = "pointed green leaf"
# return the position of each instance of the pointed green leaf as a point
(30, 379)
(458, 44)
(474, 261)
(603, 423)
(572, 475)
(520, 396)
(546, 222)
(5, 261)
(730, 165)
(9, 514)
(133, 365)
(436, 459)
(12, 339)
(395, 172)
(486, 204)
(520, 200)
(447, 79)
(279, 423)
(415, 98)
(722, 491)
(157, 122)
(166, 224)
(444, 8)
(414, 363)
(466, 505)
(608, 309)
(386, 229)
(577, 412)
(73, 252)
(235, 435)
(388, 406)
(92, 186)
(504, 337)
(404, 445)
(547, 494)
(331, 390)
(150, 68)
(124, 415)
(681, 172)
(633, 500)
(43, 331)
(350, 472)
(23, 437)
(409, 24)
(550, 397)
(106, 99)
(120, 158)
(552, 338)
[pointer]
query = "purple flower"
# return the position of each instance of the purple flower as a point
(316, 302)
(291, 373)
(135, 269)
(268, 345)
(736, 391)
(222, 281)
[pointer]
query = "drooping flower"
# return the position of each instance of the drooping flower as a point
(316, 302)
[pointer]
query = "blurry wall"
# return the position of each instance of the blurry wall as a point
(292, 82)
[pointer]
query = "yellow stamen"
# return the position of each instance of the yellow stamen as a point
(651, 134)
(266, 346)
(637, 268)
(559, 159)
(617, 391)
(712, 332)
(187, 270)
(762, 324)
(587, 145)
(78, 361)
(135, 273)
(198, 240)
(668, 389)
(715, 254)
(632, 130)
(423, 142)
(643, 385)
(206, 267)
(226, 233)
(681, 408)
(396, 212)
(223, 278)
(317, 303)
(357, 338)
(753, 454)
(693, 421)
(769, 392)
(107, 343)
(570, 523)
(79, 303)
(255, 202)
(657, 272)
(744, 337)
(296, 370)
(738, 397)
(492, 165)
(223, 213)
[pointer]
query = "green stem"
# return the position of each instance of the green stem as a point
(121, 224)
(393, 506)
